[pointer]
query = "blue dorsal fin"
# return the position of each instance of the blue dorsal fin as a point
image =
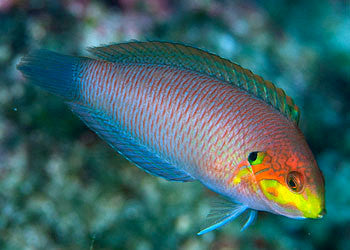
(223, 212)
(190, 58)
(139, 154)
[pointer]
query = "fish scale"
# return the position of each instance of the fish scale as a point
(145, 79)
(184, 114)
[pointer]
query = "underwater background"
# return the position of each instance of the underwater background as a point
(61, 187)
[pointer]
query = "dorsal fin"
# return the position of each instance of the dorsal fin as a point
(187, 57)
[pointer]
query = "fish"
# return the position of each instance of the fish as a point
(185, 114)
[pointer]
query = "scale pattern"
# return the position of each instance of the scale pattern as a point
(187, 57)
(194, 122)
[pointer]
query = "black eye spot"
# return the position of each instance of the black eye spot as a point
(252, 156)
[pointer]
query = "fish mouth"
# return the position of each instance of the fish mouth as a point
(315, 215)
(322, 213)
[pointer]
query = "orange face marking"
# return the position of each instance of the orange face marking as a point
(272, 191)
(276, 166)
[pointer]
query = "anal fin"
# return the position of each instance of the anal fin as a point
(126, 145)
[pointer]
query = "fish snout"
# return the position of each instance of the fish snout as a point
(322, 213)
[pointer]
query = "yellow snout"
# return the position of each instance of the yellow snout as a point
(306, 203)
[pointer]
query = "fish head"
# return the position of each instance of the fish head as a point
(290, 181)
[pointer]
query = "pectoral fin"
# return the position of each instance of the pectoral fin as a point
(225, 211)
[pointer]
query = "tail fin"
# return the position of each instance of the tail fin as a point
(53, 72)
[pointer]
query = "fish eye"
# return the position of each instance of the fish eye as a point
(256, 157)
(295, 181)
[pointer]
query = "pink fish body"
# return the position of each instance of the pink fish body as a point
(184, 114)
